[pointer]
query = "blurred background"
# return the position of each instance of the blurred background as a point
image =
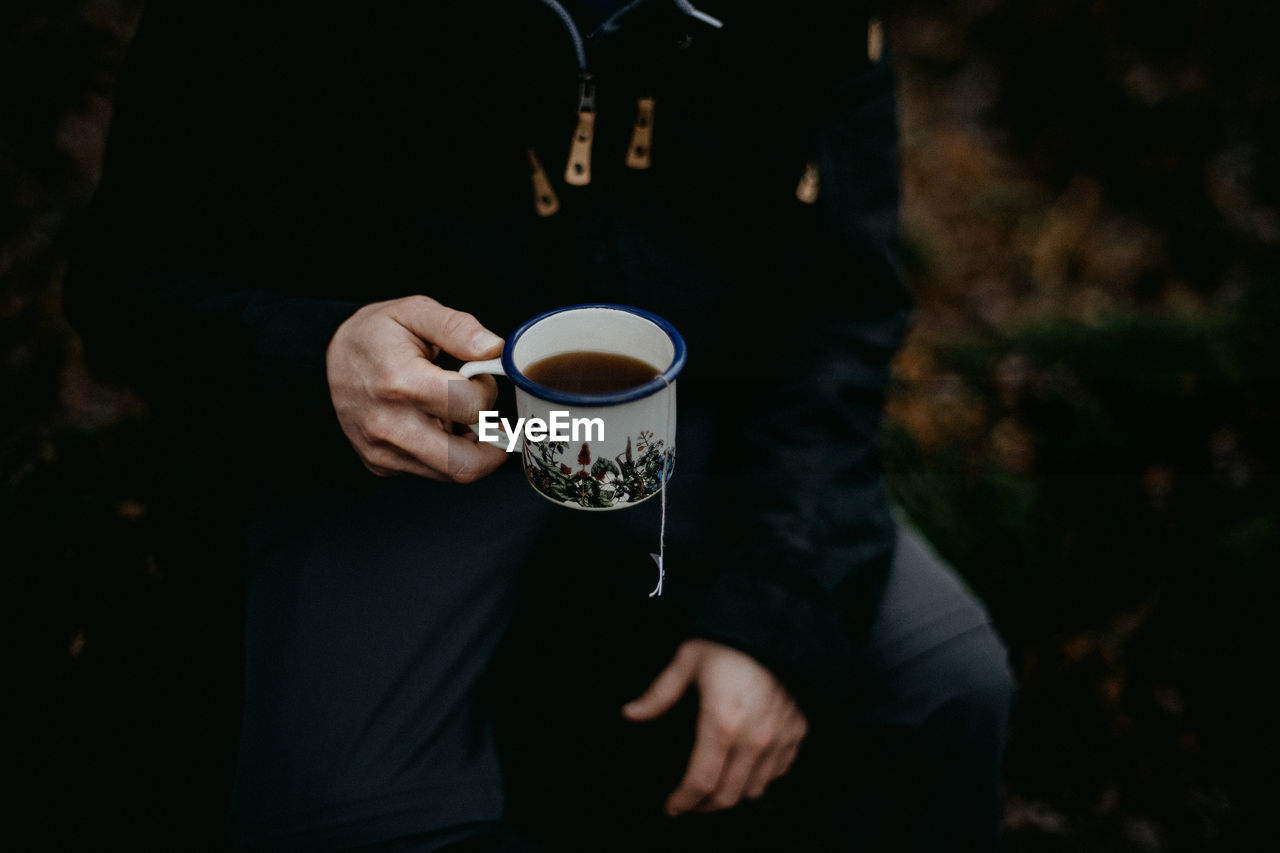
(1083, 421)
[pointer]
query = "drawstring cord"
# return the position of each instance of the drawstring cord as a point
(688, 8)
(611, 23)
(579, 49)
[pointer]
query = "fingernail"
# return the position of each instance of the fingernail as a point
(485, 341)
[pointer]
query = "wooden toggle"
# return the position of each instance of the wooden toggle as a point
(578, 170)
(875, 39)
(641, 148)
(807, 189)
(544, 196)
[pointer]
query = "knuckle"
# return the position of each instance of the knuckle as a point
(728, 727)
(466, 476)
(381, 461)
(690, 649)
(701, 781)
(434, 394)
(464, 471)
(723, 800)
(378, 427)
(760, 739)
(393, 385)
(419, 303)
(699, 786)
(458, 324)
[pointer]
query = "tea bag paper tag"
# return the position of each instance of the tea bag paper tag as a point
(657, 590)
(665, 476)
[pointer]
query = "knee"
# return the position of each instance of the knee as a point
(974, 690)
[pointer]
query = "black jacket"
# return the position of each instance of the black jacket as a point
(272, 166)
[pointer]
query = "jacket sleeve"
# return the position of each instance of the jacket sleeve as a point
(175, 283)
(804, 529)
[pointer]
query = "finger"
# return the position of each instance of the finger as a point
(786, 757)
(755, 749)
(785, 761)
(739, 769)
(665, 691)
(706, 764)
(763, 773)
(419, 437)
(468, 460)
(466, 398)
(392, 462)
(456, 332)
(780, 757)
(439, 393)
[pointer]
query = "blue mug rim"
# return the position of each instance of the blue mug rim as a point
(639, 392)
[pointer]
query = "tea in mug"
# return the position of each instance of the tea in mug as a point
(590, 372)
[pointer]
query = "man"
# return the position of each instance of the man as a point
(307, 218)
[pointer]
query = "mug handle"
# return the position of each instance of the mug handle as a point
(491, 366)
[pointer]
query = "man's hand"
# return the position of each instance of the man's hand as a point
(396, 407)
(749, 727)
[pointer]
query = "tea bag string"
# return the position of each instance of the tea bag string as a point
(667, 455)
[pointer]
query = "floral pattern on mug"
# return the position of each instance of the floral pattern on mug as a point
(601, 482)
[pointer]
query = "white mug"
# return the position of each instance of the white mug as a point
(592, 451)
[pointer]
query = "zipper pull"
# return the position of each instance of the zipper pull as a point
(807, 189)
(544, 197)
(641, 135)
(875, 40)
(578, 170)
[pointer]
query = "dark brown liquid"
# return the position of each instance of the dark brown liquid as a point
(585, 372)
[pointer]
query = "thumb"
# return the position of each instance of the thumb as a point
(456, 332)
(665, 690)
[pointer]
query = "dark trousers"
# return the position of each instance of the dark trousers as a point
(911, 763)
(390, 637)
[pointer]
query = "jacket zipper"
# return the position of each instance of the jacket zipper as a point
(577, 171)
(639, 151)
(578, 167)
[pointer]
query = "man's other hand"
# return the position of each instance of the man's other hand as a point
(395, 406)
(748, 732)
